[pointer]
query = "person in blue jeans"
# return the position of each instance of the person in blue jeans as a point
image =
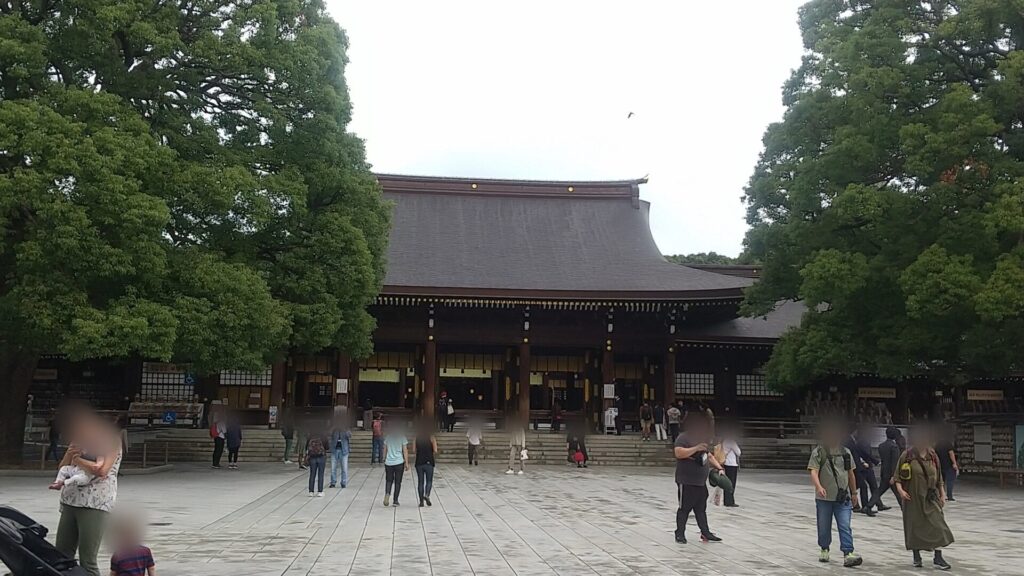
(341, 442)
(835, 484)
(377, 449)
(316, 456)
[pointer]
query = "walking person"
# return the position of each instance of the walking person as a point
(341, 446)
(835, 485)
(516, 447)
(233, 439)
(442, 411)
(694, 462)
(889, 454)
(377, 448)
(426, 451)
(674, 416)
(218, 432)
(659, 422)
(84, 508)
(475, 437)
(732, 466)
(865, 463)
(646, 421)
(946, 451)
(919, 485)
(396, 462)
(316, 458)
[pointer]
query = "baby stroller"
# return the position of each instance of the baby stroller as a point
(25, 551)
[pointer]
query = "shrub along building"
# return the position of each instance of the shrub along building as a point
(511, 296)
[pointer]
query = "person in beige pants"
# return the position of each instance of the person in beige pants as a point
(516, 445)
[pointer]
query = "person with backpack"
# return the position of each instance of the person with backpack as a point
(919, 485)
(835, 485)
(377, 447)
(674, 417)
(316, 457)
(426, 451)
(646, 421)
(218, 432)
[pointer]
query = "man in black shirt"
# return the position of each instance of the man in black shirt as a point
(694, 462)
(946, 452)
(889, 454)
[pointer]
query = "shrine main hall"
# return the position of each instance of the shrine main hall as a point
(514, 295)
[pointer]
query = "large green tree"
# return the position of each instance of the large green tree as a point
(890, 198)
(177, 182)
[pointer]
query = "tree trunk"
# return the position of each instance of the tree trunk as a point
(16, 370)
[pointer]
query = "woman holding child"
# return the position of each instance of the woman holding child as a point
(95, 450)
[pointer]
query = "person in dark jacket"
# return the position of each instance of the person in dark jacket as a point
(660, 428)
(233, 439)
(888, 453)
(864, 470)
(54, 438)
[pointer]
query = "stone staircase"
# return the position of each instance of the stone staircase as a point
(262, 445)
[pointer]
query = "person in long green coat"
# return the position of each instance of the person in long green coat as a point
(919, 484)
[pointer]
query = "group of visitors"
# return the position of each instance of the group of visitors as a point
(445, 413)
(226, 431)
(839, 472)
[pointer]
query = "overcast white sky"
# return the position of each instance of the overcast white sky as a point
(542, 90)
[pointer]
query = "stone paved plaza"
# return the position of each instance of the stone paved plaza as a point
(553, 520)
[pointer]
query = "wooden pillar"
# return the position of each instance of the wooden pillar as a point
(524, 381)
(277, 377)
(669, 375)
(495, 388)
(429, 399)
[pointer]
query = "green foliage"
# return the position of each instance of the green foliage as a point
(891, 196)
(704, 258)
(178, 183)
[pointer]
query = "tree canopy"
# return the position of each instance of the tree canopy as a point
(177, 182)
(704, 258)
(890, 198)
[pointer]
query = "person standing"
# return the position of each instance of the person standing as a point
(426, 451)
(835, 484)
(84, 508)
(619, 424)
(341, 446)
(442, 412)
(53, 435)
(377, 448)
(694, 462)
(516, 447)
(233, 438)
(218, 431)
(475, 436)
(368, 415)
(396, 463)
(946, 450)
(659, 422)
(674, 416)
(732, 466)
(646, 421)
(919, 484)
(288, 433)
(450, 411)
(556, 417)
(316, 457)
(889, 454)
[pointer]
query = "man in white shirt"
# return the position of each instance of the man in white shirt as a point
(475, 435)
(732, 467)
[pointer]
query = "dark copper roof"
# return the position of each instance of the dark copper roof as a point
(760, 329)
(527, 238)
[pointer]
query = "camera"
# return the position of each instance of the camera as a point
(843, 495)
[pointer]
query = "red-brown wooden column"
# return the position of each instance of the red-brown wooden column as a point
(524, 382)
(429, 399)
(669, 375)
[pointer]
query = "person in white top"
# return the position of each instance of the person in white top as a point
(475, 434)
(732, 467)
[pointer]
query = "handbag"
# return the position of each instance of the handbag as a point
(524, 455)
(717, 499)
